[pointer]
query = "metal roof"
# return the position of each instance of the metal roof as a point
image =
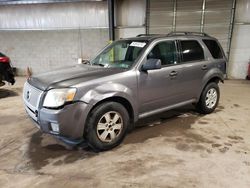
(19, 2)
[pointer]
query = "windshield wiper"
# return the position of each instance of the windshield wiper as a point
(87, 62)
(99, 64)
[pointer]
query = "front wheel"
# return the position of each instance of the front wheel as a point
(209, 99)
(107, 126)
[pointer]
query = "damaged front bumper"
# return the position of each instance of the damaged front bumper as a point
(66, 123)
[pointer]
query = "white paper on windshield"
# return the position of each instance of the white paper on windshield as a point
(138, 44)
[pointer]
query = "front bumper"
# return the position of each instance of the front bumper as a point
(70, 120)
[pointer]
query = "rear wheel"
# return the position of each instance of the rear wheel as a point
(107, 126)
(209, 98)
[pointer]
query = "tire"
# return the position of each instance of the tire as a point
(106, 126)
(209, 99)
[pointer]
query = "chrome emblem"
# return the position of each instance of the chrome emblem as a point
(28, 94)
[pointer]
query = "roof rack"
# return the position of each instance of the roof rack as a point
(187, 33)
(175, 33)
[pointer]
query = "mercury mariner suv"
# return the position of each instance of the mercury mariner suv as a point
(130, 79)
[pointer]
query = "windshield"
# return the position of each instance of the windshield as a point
(121, 54)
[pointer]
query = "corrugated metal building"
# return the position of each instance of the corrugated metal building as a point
(47, 34)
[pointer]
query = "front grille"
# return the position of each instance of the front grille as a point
(31, 97)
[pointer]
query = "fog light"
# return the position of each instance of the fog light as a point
(55, 127)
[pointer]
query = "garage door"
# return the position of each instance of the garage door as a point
(161, 16)
(217, 20)
(210, 16)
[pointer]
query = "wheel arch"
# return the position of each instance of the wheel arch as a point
(209, 79)
(121, 100)
(215, 79)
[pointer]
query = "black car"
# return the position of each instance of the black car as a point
(6, 71)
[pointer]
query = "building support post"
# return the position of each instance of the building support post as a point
(203, 16)
(174, 16)
(230, 34)
(111, 20)
(147, 16)
(231, 27)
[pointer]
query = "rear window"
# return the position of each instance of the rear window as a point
(214, 48)
(191, 50)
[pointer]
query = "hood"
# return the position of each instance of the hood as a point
(71, 75)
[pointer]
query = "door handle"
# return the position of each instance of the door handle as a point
(173, 73)
(204, 67)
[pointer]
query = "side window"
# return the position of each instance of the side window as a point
(191, 50)
(165, 51)
(214, 48)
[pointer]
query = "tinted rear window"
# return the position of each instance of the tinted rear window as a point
(214, 48)
(191, 50)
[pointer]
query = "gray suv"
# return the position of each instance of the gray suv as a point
(130, 79)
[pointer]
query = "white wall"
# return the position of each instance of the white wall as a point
(54, 15)
(240, 48)
(47, 36)
(129, 32)
(46, 50)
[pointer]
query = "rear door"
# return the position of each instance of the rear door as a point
(194, 67)
(217, 54)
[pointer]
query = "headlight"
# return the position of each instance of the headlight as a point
(58, 97)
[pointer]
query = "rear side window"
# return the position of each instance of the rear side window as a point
(214, 48)
(191, 50)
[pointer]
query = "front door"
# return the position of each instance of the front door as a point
(158, 88)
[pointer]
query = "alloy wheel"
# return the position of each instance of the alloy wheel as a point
(211, 98)
(109, 126)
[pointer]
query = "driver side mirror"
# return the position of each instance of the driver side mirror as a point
(151, 64)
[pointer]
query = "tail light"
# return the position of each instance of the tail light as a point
(4, 60)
